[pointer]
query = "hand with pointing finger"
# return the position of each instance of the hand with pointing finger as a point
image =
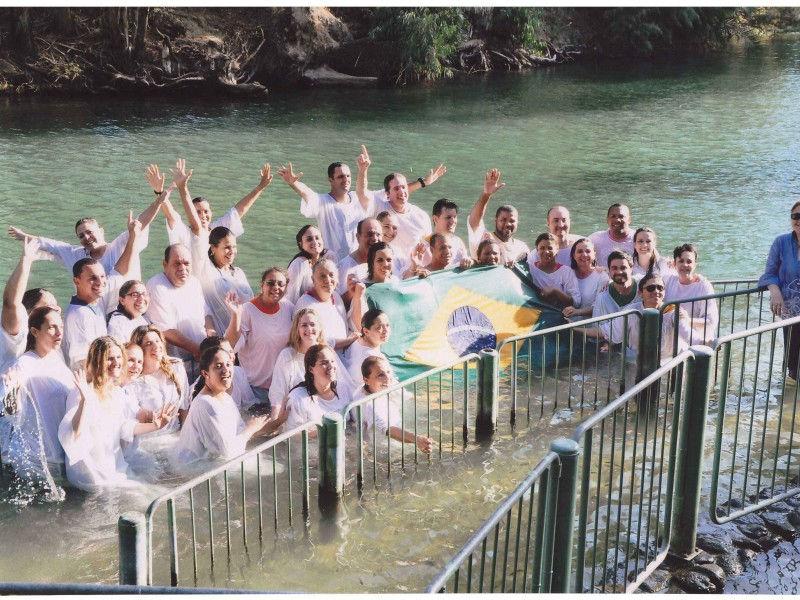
(363, 159)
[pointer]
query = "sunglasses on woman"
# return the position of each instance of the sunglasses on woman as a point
(654, 287)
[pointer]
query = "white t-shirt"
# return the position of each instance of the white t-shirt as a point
(510, 250)
(604, 245)
(94, 457)
(181, 234)
(83, 324)
(347, 266)
(241, 392)
(213, 429)
(216, 283)
(667, 334)
(703, 331)
(262, 338)
(662, 268)
(563, 278)
(121, 327)
(590, 287)
(412, 225)
(181, 308)
(384, 408)
(305, 408)
(337, 221)
(300, 279)
(290, 370)
(12, 346)
(354, 356)
(332, 315)
(153, 392)
(604, 304)
(68, 255)
(563, 254)
(459, 252)
(47, 382)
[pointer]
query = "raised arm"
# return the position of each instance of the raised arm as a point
(247, 202)
(156, 180)
(491, 184)
(293, 180)
(234, 307)
(363, 161)
(431, 178)
(129, 254)
(180, 177)
(15, 287)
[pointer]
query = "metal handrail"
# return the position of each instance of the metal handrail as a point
(477, 538)
(755, 331)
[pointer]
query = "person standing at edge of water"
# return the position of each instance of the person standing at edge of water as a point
(414, 224)
(618, 236)
(506, 221)
(620, 294)
(17, 305)
(445, 220)
(337, 212)
(178, 308)
(782, 278)
(93, 242)
(178, 232)
(559, 224)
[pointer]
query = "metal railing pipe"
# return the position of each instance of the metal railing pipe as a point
(488, 394)
(132, 528)
(567, 451)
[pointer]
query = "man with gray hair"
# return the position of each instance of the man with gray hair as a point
(506, 220)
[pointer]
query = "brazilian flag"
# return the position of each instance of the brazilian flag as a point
(451, 313)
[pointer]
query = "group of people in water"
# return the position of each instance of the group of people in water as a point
(193, 362)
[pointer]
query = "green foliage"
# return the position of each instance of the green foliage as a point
(650, 31)
(423, 39)
(515, 27)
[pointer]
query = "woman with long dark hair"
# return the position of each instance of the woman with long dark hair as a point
(310, 250)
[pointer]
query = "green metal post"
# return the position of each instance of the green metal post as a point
(686, 502)
(568, 451)
(649, 341)
(331, 458)
(488, 394)
(132, 529)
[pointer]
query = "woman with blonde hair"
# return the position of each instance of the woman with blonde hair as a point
(96, 422)
(163, 379)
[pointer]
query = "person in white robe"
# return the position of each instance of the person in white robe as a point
(688, 284)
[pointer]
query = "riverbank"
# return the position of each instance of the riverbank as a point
(245, 52)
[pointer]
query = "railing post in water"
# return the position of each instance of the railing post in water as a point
(568, 451)
(649, 337)
(132, 529)
(688, 466)
(488, 394)
(331, 458)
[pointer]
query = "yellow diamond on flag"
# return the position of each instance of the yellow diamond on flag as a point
(465, 322)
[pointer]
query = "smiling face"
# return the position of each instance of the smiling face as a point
(379, 377)
(90, 284)
(371, 232)
(445, 222)
(48, 336)
(398, 192)
(204, 213)
(618, 219)
(382, 265)
(219, 374)
(224, 251)
(490, 254)
(308, 330)
(505, 224)
(135, 361)
(644, 243)
(324, 369)
(136, 300)
(114, 363)
(273, 287)
(653, 292)
(311, 242)
(584, 255)
(558, 222)
(325, 278)
(685, 265)
(547, 252)
(378, 333)
(389, 226)
(153, 348)
(340, 182)
(441, 252)
(620, 271)
(90, 235)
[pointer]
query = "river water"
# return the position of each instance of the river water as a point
(702, 151)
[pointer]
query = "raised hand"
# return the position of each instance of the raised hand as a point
(18, 234)
(434, 174)
(363, 161)
(179, 175)
(233, 304)
(266, 177)
(79, 377)
(30, 246)
(134, 225)
(288, 174)
(162, 418)
(418, 255)
(155, 178)
(491, 183)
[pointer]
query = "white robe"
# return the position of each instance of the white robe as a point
(307, 408)
(300, 279)
(290, 371)
(262, 338)
(354, 356)
(706, 311)
(153, 392)
(332, 316)
(384, 410)
(613, 330)
(94, 456)
(214, 429)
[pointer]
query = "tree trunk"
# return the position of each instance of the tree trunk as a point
(141, 30)
(22, 34)
(63, 20)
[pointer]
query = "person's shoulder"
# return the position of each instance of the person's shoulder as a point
(285, 355)
(298, 394)
(157, 280)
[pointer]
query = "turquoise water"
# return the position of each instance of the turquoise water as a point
(701, 151)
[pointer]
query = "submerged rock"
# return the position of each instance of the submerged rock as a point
(694, 582)
(715, 542)
(779, 523)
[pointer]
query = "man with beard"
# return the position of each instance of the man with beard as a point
(620, 294)
(618, 236)
(506, 220)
